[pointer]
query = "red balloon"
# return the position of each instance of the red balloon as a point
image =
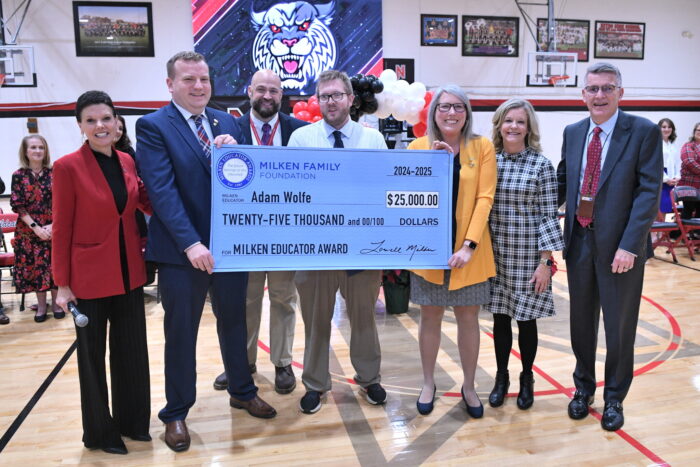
(303, 115)
(313, 98)
(316, 118)
(313, 108)
(423, 115)
(419, 129)
(299, 106)
(428, 97)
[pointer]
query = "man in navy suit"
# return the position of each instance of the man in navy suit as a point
(610, 177)
(265, 125)
(174, 156)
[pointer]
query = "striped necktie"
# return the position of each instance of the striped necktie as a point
(202, 135)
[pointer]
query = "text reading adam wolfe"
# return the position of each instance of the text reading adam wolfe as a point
(308, 208)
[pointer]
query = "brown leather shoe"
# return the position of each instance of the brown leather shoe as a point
(256, 407)
(176, 436)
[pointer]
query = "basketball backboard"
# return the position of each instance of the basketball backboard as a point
(17, 65)
(552, 68)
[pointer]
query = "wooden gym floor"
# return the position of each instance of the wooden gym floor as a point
(40, 421)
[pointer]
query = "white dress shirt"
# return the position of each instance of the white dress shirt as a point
(320, 135)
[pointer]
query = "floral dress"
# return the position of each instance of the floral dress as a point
(523, 222)
(32, 195)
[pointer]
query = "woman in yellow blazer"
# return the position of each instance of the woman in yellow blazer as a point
(465, 285)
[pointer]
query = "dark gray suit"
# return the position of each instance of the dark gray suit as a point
(625, 207)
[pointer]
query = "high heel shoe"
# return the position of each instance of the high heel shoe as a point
(526, 396)
(474, 412)
(427, 407)
(500, 389)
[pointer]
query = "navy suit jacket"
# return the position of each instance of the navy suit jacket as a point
(287, 126)
(627, 200)
(177, 175)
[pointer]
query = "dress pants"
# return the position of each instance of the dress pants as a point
(283, 295)
(592, 284)
(128, 362)
(317, 291)
(183, 291)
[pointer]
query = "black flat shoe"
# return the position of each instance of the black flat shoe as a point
(526, 396)
(59, 314)
(474, 412)
(144, 437)
(115, 450)
(500, 389)
(40, 318)
(424, 408)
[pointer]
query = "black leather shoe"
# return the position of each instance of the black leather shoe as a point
(3, 317)
(578, 407)
(221, 382)
(116, 449)
(526, 396)
(500, 389)
(40, 318)
(59, 314)
(285, 381)
(143, 437)
(613, 419)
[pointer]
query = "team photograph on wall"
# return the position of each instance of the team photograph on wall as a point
(113, 29)
(490, 36)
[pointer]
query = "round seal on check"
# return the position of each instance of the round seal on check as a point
(235, 170)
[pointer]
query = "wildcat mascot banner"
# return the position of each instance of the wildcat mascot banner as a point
(296, 39)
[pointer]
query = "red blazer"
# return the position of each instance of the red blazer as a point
(85, 232)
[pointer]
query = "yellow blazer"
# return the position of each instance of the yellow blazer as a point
(477, 187)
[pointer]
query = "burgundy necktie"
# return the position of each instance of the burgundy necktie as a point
(592, 173)
(266, 134)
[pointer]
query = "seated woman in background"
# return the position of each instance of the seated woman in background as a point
(525, 231)
(690, 171)
(98, 263)
(465, 285)
(30, 198)
(672, 163)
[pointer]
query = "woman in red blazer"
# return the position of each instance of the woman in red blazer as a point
(98, 263)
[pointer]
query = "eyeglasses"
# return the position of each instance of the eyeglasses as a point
(335, 97)
(607, 89)
(458, 108)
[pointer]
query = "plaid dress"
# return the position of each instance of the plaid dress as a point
(523, 222)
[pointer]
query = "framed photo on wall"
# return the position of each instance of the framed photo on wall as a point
(438, 30)
(617, 39)
(113, 29)
(494, 36)
(573, 36)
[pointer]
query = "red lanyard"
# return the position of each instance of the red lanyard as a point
(272, 133)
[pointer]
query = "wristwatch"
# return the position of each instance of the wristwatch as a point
(547, 262)
(472, 245)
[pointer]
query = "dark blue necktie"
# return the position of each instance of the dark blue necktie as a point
(338, 139)
(202, 135)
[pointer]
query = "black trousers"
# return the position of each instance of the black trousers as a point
(129, 373)
(593, 285)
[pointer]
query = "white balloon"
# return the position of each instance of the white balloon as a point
(388, 76)
(415, 106)
(412, 119)
(400, 111)
(418, 89)
(402, 88)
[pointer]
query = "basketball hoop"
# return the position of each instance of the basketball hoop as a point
(558, 81)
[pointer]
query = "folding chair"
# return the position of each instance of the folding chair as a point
(686, 226)
(8, 223)
(663, 228)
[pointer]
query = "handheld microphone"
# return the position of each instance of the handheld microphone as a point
(80, 319)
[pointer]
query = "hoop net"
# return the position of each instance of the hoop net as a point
(559, 81)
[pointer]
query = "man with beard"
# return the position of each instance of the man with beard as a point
(317, 289)
(265, 125)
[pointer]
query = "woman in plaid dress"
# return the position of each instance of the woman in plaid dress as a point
(525, 231)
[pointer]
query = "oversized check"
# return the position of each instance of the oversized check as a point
(277, 208)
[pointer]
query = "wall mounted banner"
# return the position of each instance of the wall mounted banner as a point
(299, 208)
(296, 39)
